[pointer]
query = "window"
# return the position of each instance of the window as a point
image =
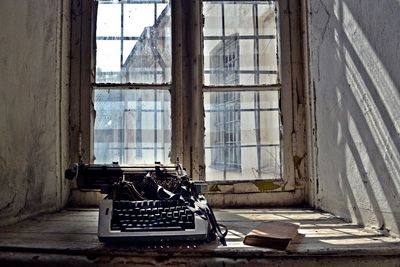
(133, 43)
(242, 124)
(132, 126)
(209, 82)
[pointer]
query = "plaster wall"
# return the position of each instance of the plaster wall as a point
(34, 81)
(354, 71)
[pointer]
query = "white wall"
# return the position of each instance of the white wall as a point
(33, 107)
(355, 74)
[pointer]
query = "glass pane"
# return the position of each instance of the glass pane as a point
(213, 23)
(108, 20)
(238, 18)
(266, 15)
(242, 135)
(143, 33)
(247, 59)
(132, 13)
(108, 65)
(240, 42)
(269, 79)
(268, 59)
(132, 126)
(128, 46)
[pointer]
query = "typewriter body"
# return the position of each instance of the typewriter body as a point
(153, 202)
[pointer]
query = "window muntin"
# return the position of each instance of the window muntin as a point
(242, 136)
(133, 47)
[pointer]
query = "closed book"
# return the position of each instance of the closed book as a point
(276, 235)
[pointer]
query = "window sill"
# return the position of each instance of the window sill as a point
(69, 238)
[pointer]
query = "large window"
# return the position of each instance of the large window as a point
(150, 65)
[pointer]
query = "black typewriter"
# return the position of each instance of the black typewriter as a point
(148, 203)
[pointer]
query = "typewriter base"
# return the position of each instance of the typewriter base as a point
(200, 232)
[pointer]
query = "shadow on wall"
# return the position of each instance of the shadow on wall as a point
(355, 47)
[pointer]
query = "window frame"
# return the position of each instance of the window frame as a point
(239, 88)
(149, 76)
(187, 90)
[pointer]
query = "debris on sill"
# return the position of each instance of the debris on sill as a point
(246, 187)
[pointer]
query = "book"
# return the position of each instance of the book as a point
(276, 235)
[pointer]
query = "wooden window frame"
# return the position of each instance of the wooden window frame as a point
(188, 89)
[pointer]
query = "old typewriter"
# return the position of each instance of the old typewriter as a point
(148, 203)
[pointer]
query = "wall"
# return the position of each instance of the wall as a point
(34, 81)
(354, 72)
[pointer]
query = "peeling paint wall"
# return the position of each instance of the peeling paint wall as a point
(34, 82)
(354, 65)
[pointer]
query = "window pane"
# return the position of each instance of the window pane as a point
(267, 52)
(267, 15)
(238, 18)
(242, 139)
(213, 23)
(143, 33)
(132, 13)
(108, 65)
(247, 61)
(132, 126)
(108, 20)
(240, 42)
(128, 46)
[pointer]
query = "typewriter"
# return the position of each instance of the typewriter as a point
(148, 203)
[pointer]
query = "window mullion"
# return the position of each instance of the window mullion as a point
(177, 92)
(187, 96)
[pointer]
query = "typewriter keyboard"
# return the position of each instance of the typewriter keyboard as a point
(151, 215)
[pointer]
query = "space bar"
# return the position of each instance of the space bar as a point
(152, 228)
